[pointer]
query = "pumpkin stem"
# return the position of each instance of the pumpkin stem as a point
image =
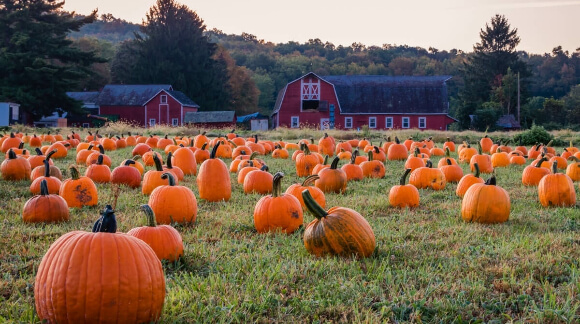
(21, 145)
(170, 177)
(46, 168)
(11, 154)
(542, 160)
(325, 159)
(169, 156)
(306, 150)
(50, 154)
(555, 167)
(107, 223)
(429, 164)
(312, 205)
(549, 143)
(476, 167)
(325, 135)
(74, 172)
(370, 155)
(479, 149)
(449, 162)
(256, 138)
(277, 184)
(214, 150)
(334, 163)
(90, 147)
(353, 157)
(417, 152)
(158, 165)
(397, 140)
(38, 151)
(232, 142)
(149, 215)
(376, 149)
(573, 158)
(404, 177)
(203, 146)
(101, 149)
(309, 180)
(491, 181)
(43, 188)
(264, 168)
(242, 152)
(253, 155)
(100, 159)
(12, 135)
(447, 151)
(136, 157)
(129, 162)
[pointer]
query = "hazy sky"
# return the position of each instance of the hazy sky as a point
(443, 24)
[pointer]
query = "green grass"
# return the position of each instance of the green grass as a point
(429, 266)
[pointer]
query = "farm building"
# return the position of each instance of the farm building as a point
(211, 119)
(9, 113)
(145, 105)
(89, 100)
(351, 101)
(255, 121)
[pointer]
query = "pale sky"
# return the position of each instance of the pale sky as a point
(443, 24)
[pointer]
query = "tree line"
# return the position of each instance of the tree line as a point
(241, 72)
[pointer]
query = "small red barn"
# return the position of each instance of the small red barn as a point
(351, 101)
(145, 105)
(211, 119)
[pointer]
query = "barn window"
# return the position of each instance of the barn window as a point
(422, 122)
(85, 125)
(295, 122)
(163, 99)
(175, 121)
(389, 122)
(310, 94)
(152, 122)
(347, 122)
(372, 122)
(405, 123)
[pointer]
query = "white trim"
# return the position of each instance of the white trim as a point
(370, 118)
(345, 124)
(283, 95)
(408, 122)
(176, 120)
(387, 124)
(154, 122)
(181, 118)
(424, 122)
(87, 125)
(292, 122)
(161, 99)
(145, 121)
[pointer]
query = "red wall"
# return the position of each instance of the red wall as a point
(134, 114)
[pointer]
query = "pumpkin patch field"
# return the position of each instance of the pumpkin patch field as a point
(209, 227)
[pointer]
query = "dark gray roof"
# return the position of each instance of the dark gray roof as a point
(86, 96)
(209, 117)
(387, 94)
(129, 94)
(182, 98)
(256, 115)
(508, 121)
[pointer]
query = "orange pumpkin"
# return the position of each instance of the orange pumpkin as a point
(373, 168)
(153, 178)
(449, 144)
(404, 195)
(213, 179)
(573, 169)
(172, 203)
(78, 191)
(467, 181)
(278, 212)
(332, 179)
(452, 172)
(126, 175)
(305, 162)
(45, 207)
(99, 172)
(532, 174)
(258, 181)
(177, 172)
(397, 151)
(486, 144)
(15, 168)
(52, 183)
(486, 203)
(326, 145)
(428, 177)
(296, 191)
(556, 189)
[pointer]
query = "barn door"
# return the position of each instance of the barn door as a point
(324, 123)
(164, 114)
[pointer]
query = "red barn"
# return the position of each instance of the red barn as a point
(351, 101)
(211, 119)
(145, 105)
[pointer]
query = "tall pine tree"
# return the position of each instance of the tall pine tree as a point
(37, 62)
(172, 49)
(491, 58)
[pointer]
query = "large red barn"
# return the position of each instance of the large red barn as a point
(145, 105)
(351, 101)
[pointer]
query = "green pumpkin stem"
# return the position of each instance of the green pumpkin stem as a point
(43, 188)
(353, 157)
(50, 154)
(306, 150)
(313, 206)
(46, 168)
(404, 177)
(169, 176)
(149, 215)
(325, 160)
(232, 142)
(74, 172)
(277, 184)
(169, 156)
(158, 165)
(334, 164)
(447, 152)
(309, 180)
(555, 167)
(491, 181)
(476, 167)
(136, 157)
(370, 154)
(480, 149)
(128, 162)
(214, 150)
(325, 135)
(573, 158)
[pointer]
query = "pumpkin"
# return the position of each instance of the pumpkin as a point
(35, 141)
(482, 160)
(326, 145)
(467, 181)
(53, 184)
(164, 142)
(11, 142)
(317, 168)
(83, 154)
(573, 169)
(517, 159)
(200, 139)
(346, 146)
(126, 175)
(414, 161)
(78, 191)
(296, 191)
(378, 154)
(39, 171)
(153, 178)
(280, 153)
(436, 152)
(408, 142)
(486, 144)
(213, 179)
(113, 277)
(137, 165)
(532, 174)
(38, 159)
(339, 231)
(172, 203)
(61, 150)
(404, 195)
(397, 151)
(148, 158)
(556, 189)
(428, 177)
(152, 140)
(373, 168)
(140, 149)
(184, 159)
(452, 172)
(177, 172)
(258, 181)
(443, 161)
(486, 203)
(99, 172)
(278, 211)
(45, 207)
(352, 170)
(500, 159)
(15, 168)
(120, 142)
(560, 161)
(292, 146)
(245, 170)
(535, 151)
(467, 153)
(93, 157)
(305, 162)
(332, 179)
(449, 144)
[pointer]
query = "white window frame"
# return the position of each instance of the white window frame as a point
(175, 121)
(163, 99)
(346, 120)
(86, 125)
(152, 122)
(408, 122)
(375, 119)
(424, 119)
(297, 122)
(388, 120)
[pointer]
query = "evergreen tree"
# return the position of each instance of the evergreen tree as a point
(37, 61)
(172, 49)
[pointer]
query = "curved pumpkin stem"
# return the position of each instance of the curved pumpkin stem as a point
(306, 150)
(309, 180)
(232, 142)
(100, 159)
(158, 165)
(417, 152)
(325, 159)
(542, 160)
(573, 158)
(107, 223)
(38, 151)
(376, 148)
(214, 150)
(476, 167)
(264, 168)
(43, 188)
(50, 154)
(334, 164)
(169, 156)
(46, 168)
(101, 149)
(277, 184)
(448, 161)
(11, 154)
(491, 181)
(21, 145)
(170, 177)
(353, 157)
(74, 172)
(136, 157)
(370, 154)
(397, 140)
(312, 205)
(447, 151)
(429, 164)
(404, 177)
(128, 162)
(149, 215)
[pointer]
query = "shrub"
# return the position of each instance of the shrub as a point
(536, 134)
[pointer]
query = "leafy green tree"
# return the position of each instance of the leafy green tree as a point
(101, 72)
(554, 112)
(572, 105)
(37, 61)
(487, 116)
(172, 49)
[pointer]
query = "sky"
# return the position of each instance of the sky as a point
(442, 24)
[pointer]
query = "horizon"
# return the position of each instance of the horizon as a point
(542, 25)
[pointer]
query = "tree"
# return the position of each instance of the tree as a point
(173, 50)
(572, 104)
(38, 62)
(492, 56)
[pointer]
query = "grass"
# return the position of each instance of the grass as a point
(429, 265)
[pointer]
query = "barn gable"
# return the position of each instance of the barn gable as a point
(129, 94)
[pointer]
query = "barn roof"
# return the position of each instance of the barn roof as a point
(367, 94)
(508, 121)
(182, 98)
(256, 115)
(86, 96)
(129, 94)
(201, 117)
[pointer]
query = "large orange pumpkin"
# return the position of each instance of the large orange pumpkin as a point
(404, 195)
(126, 175)
(172, 203)
(153, 178)
(556, 189)
(278, 211)
(45, 207)
(78, 191)
(111, 277)
(352, 170)
(15, 168)
(305, 162)
(532, 174)
(258, 181)
(397, 151)
(213, 179)
(373, 168)
(467, 181)
(486, 203)
(428, 177)
(332, 179)
(296, 191)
